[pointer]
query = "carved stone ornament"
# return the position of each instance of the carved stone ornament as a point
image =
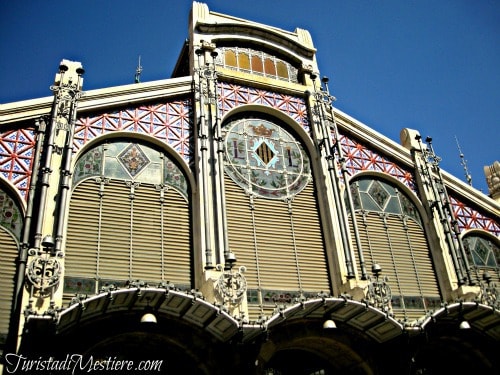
(492, 173)
(232, 285)
(44, 273)
(379, 294)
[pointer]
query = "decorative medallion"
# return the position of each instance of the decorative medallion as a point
(264, 159)
(133, 159)
(232, 285)
(379, 194)
(44, 272)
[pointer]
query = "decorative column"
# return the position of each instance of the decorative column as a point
(329, 148)
(46, 228)
(435, 196)
(203, 72)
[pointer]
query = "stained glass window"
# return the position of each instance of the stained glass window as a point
(257, 62)
(244, 61)
(482, 251)
(263, 158)
(371, 194)
(130, 161)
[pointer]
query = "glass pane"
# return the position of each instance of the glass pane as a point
(269, 67)
(282, 69)
(257, 64)
(393, 206)
(151, 174)
(368, 203)
(243, 61)
(114, 169)
(230, 58)
(363, 184)
(355, 197)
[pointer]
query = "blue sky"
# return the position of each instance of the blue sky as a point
(429, 65)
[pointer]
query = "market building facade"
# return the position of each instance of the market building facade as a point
(231, 220)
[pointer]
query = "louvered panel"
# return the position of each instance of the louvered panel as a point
(114, 262)
(274, 237)
(240, 231)
(425, 268)
(82, 231)
(254, 311)
(9, 251)
(177, 239)
(309, 241)
(381, 253)
(146, 234)
(403, 260)
(365, 245)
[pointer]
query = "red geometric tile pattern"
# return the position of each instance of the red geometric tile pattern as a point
(171, 122)
(232, 96)
(361, 158)
(468, 218)
(16, 157)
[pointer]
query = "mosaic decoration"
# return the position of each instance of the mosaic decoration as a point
(263, 158)
(90, 164)
(468, 218)
(133, 159)
(360, 158)
(16, 157)
(232, 96)
(79, 285)
(170, 122)
(10, 215)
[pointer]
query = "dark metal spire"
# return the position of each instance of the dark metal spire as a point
(463, 162)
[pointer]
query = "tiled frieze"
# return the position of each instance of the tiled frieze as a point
(16, 157)
(359, 157)
(469, 218)
(170, 122)
(232, 96)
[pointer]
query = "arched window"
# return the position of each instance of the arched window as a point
(483, 255)
(392, 235)
(257, 62)
(272, 214)
(128, 220)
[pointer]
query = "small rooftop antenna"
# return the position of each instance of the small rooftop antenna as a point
(463, 162)
(138, 71)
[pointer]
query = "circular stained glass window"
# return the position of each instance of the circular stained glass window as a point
(264, 159)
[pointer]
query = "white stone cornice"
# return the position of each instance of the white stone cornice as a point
(99, 98)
